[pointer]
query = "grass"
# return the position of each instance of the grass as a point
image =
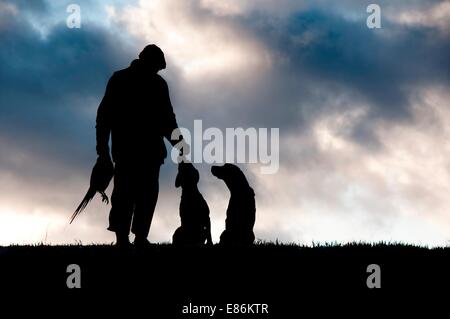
(275, 273)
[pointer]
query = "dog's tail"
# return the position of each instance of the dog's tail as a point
(87, 198)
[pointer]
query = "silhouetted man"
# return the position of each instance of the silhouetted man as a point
(137, 112)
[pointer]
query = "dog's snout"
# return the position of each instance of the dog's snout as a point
(217, 171)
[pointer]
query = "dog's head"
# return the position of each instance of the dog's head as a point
(187, 175)
(231, 175)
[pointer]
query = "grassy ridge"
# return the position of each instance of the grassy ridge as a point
(279, 275)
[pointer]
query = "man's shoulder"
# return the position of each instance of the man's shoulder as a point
(126, 74)
(120, 73)
(161, 83)
(119, 77)
(160, 79)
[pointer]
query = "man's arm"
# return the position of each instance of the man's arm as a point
(103, 126)
(170, 123)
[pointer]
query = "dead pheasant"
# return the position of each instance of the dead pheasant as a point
(101, 176)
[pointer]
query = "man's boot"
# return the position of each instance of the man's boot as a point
(122, 240)
(141, 242)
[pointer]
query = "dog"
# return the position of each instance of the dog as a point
(241, 211)
(195, 226)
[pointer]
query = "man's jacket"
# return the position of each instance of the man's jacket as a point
(136, 111)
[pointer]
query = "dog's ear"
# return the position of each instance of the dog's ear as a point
(178, 180)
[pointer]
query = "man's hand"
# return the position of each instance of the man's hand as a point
(184, 150)
(183, 147)
(104, 158)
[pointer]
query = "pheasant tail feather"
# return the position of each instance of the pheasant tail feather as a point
(87, 198)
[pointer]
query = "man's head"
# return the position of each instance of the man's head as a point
(152, 58)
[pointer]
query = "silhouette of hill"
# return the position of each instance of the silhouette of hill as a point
(283, 276)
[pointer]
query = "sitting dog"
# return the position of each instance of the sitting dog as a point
(195, 226)
(241, 207)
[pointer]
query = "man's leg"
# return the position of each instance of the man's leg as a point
(147, 189)
(122, 204)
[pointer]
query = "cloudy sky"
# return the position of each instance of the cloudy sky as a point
(363, 114)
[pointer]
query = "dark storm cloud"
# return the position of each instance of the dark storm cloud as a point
(35, 6)
(322, 51)
(325, 60)
(51, 86)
